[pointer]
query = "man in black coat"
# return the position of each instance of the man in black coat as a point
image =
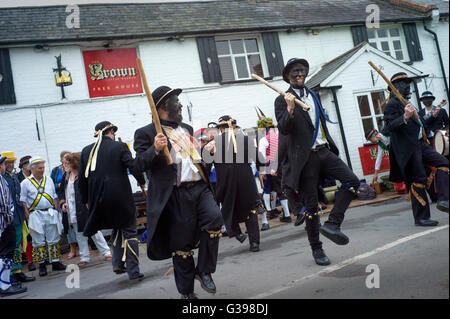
(409, 152)
(435, 117)
(311, 154)
(236, 187)
(181, 211)
(105, 187)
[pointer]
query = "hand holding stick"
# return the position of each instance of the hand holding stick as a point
(153, 109)
(297, 101)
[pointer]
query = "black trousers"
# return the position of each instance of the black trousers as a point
(252, 228)
(194, 217)
(415, 172)
(323, 163)
(127, 234)
(8, 242)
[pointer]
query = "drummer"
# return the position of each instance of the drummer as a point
(436, 117)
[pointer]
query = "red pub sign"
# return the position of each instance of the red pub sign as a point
(112, 72)
(368, 156)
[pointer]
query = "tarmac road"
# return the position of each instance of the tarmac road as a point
(413, 262)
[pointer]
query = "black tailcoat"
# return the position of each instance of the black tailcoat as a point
(161, 178)
(439, 122)
(107, 190)
(300, 131)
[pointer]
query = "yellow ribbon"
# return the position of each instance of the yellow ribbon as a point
(25, 232)
(92, 161)
(416, 195)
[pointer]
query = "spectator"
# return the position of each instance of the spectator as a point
(78, 213)
(58, 172)
(24, 170)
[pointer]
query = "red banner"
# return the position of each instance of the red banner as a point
(112, 72)
(368, 156)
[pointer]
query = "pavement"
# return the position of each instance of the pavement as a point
(387, 257)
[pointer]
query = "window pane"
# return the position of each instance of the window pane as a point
(251, 45)
(222, 47)
(367, 124)
(255, 64)
(399, 55)
(382, 33)
(374, 44)
(384, 45)
(363, 103)
(226, 69)
(380, 122)
(394, 32)
(241, 66)
(377, 99)
(237, 46)
(397, 45)
(371, 34)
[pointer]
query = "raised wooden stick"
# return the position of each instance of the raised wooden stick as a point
(153, 109)
(398, 95)
(297, 101)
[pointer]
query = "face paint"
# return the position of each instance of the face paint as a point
(427, 102)
(174, 108)
(297, 75)
(404, 88)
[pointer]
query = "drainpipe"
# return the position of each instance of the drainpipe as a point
(436, 40)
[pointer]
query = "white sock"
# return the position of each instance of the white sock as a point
(274, 201)
(284, 203)
(266, 198)
(264, 218)
(5, 276)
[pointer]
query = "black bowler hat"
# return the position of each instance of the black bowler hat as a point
(289, 64)
(400, 76)
(24, 160)
(104, 126)
(163, 92)
(371, 133)
(223, 121)
(427, 95)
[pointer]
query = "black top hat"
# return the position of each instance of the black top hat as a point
(102, 125)
(163, 92)
(400, 76)
(427, 95)
(289, 64)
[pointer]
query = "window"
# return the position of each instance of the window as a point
(387, 40)
(370, 109)
(238, 58)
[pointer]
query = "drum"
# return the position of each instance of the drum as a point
(440, 142)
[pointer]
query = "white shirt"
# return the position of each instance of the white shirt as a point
(29, 193)
(70, 198)
(308, 100)
(189, 172)
(380, 152)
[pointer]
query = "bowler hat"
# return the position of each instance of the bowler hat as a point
(2, 159)
(24, 160)
(163, 92)
(371, 133)
(10, 157)
(103, 126)
(223, 121)
(427, 95)
(400, 76)
(288, 66)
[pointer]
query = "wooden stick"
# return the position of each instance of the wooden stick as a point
(297, 101)
(398, 95)
(153, 109)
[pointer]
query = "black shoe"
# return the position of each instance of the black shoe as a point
(119, 270)
(23, 278)
(224, 234)
(300, 219)
(254, 247)
(16, 283)
(42, 269)
(442, 205)
(189, 296)
(56, 266)
(138, 278)
(426, 222)
(241, 238)
(206, 282)
(334, 235)
(12, 290)
(274, 213)
(320, 258)
(31, 267)
(264, 227)
(285, 219)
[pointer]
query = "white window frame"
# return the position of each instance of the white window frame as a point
(232, 55)
(390, 39)
(373, 116)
